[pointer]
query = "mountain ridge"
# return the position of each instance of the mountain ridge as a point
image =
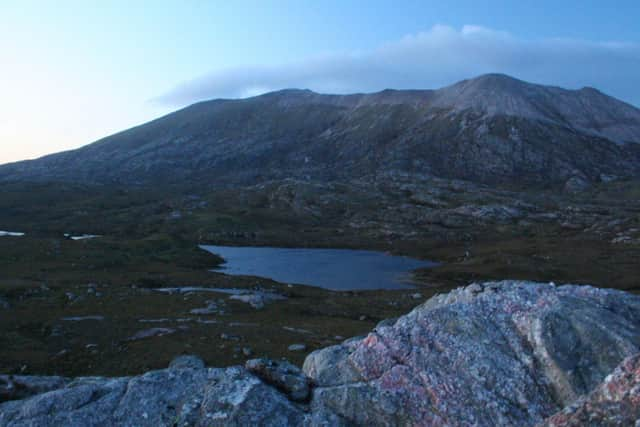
(490, 129)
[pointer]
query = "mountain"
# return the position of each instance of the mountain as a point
(493, 129)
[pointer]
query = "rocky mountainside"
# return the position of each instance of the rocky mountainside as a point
(498, 353)
(492, 129)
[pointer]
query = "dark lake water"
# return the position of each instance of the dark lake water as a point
(337, 269)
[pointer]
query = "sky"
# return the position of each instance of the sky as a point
(72, 72)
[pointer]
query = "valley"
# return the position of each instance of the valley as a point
(119, 324)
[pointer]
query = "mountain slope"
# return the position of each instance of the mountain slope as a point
(587, 110)
(492, 129)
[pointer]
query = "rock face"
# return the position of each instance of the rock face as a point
(179, 396)
(186, 362)
(491, 129)
(507, 353)
(14, 387)
(616, 402)
(499, 353)
(286, 377)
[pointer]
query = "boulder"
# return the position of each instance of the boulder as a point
(211, 308)
(258, 299)
(171, 397)
(331, 366)
(152, 332)
(187, 361)
(615, 402)
(502, 353)
(283, 375)
(15, 387)
(297, 347)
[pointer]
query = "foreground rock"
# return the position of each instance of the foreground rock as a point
(14, 387)
(506, 353)
(286, 377)
(179, 396)
(616, 402)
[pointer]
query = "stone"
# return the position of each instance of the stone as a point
(211, 308)
(14, 387)
(187, 361)
(497, 353)
(297, 347)
(331, 366)
(82, 318)
(258, 299)
(229, 337)
(386, 322)
(283, 375)
(152, 332)
(169, 397)
(615, 402)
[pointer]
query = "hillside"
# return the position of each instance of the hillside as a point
(493, 129)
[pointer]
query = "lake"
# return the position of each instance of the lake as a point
(335, 269)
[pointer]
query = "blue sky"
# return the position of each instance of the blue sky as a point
(72, 72)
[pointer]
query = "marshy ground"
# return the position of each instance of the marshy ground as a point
(90, 307)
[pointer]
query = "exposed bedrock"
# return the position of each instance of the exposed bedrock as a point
(499, 353)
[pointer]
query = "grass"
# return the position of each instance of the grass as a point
(145, 246)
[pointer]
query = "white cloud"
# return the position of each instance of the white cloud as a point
(431, 59)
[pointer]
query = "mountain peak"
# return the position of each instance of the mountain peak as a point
(290, 92)
(492, 94)
(495, 79)
(492, 83)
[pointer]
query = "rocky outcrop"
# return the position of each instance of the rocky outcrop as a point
(498, 353)
(178, 396)
(507, 353)
(616, 402)
(15, 387)
(283, 375)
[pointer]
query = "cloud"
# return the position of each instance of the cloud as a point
(432, 59)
